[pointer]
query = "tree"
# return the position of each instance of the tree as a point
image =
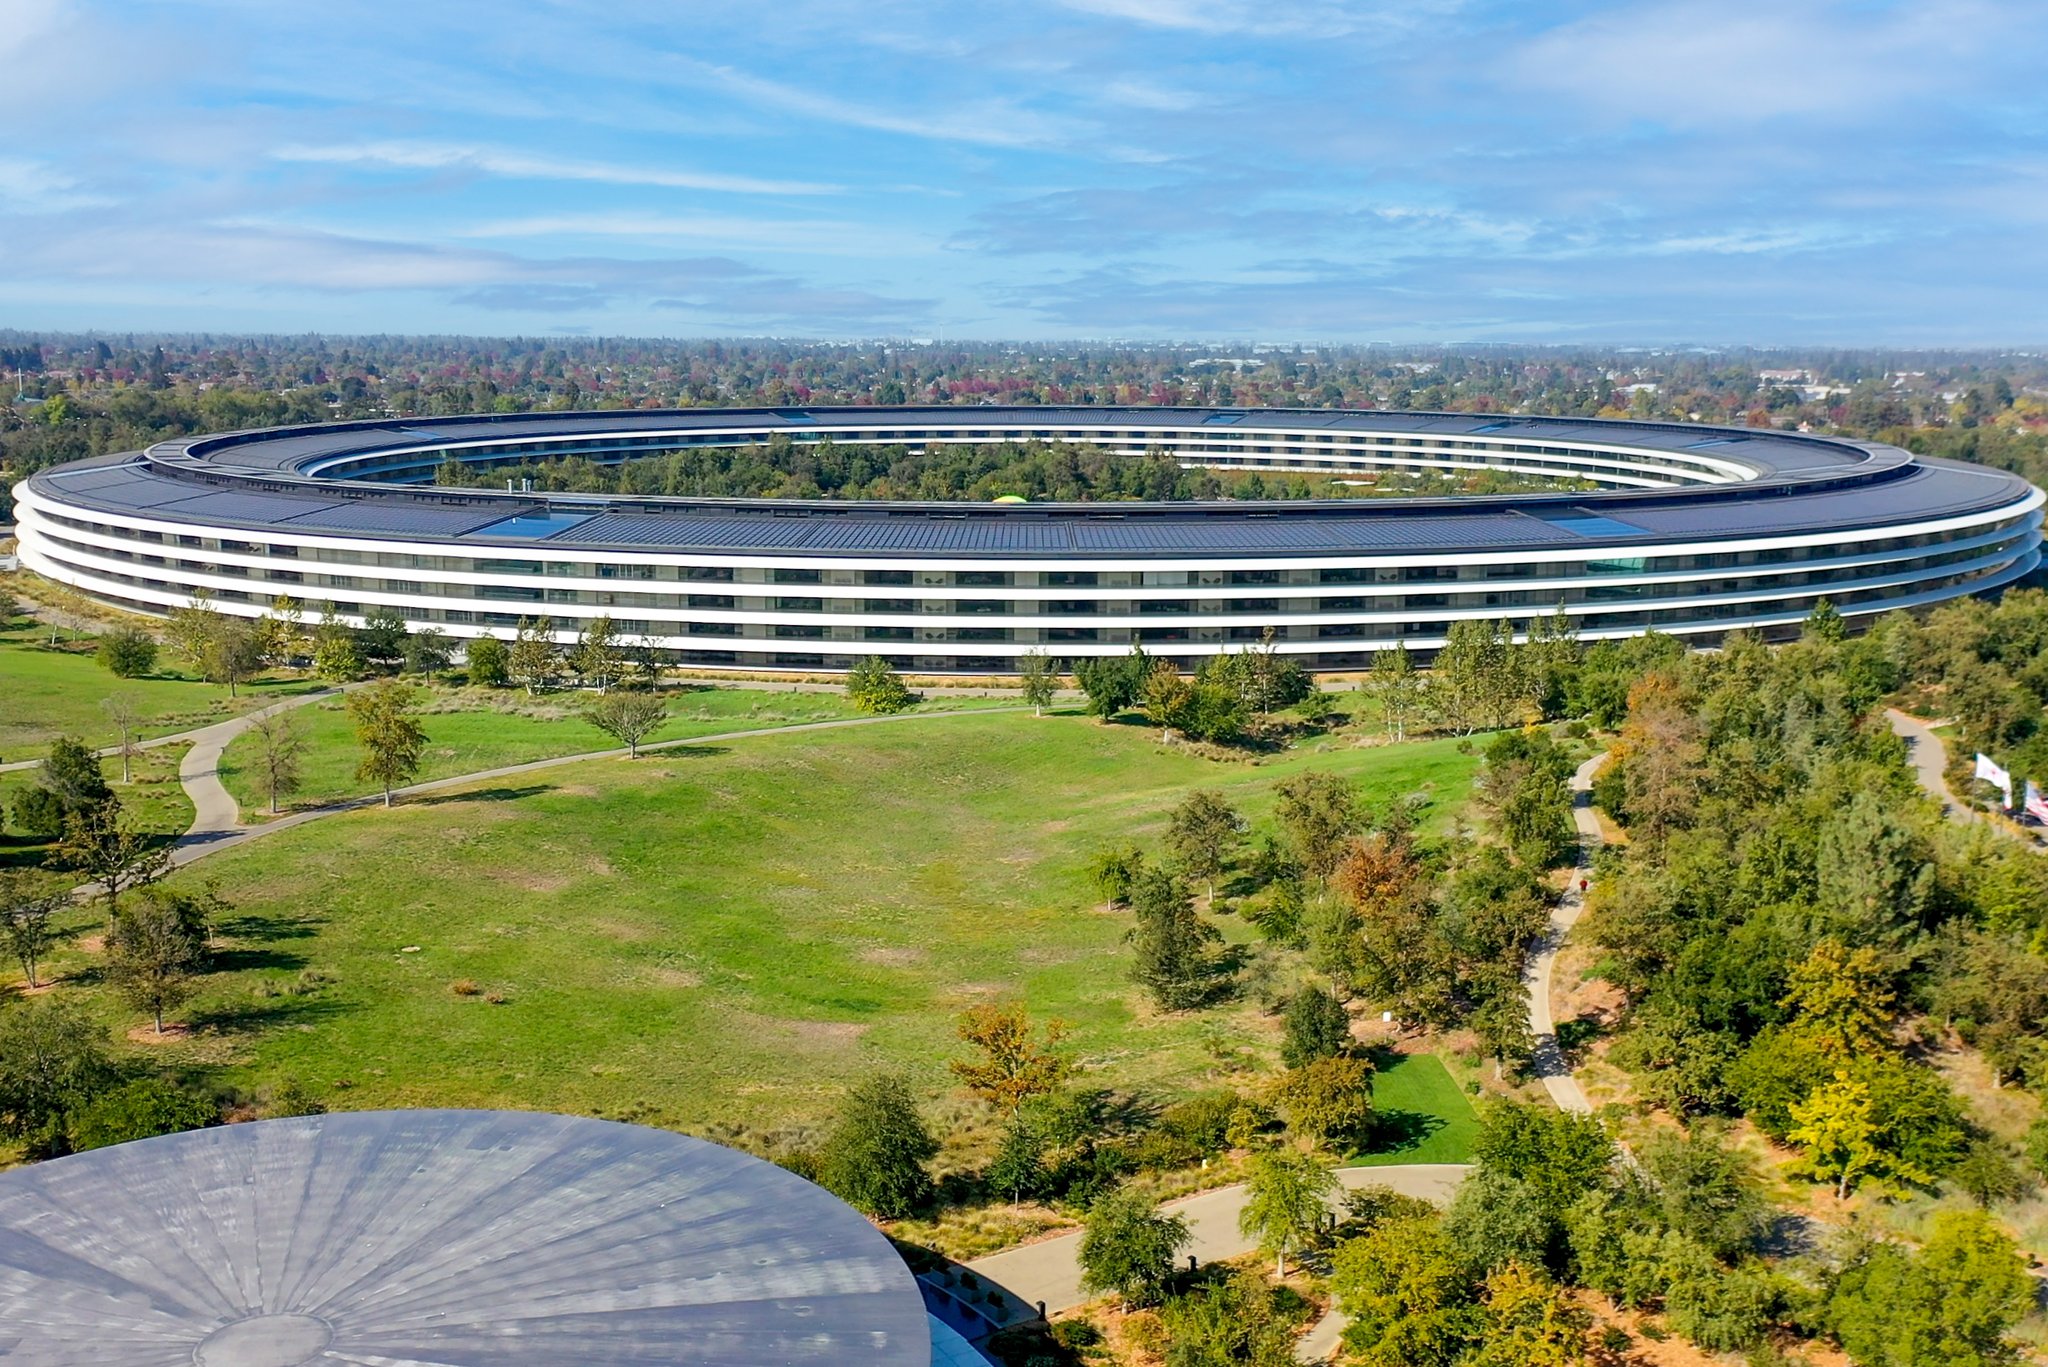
(628, 718)
(1396, 687)
(126, 714)
(1011, 1068)
(1164, 695)
(336, 656)
(1171, 942)
(533, 662)
(488, 662)
(1242, 1322)
(388, 732)
(141, 1109)
(10, 608)
(1314, 1026)
(1477, 679)
(1114, 683)
(127, 652)
(1950, 1305)
(1328, 1098)
(1495, 1219)
(1842, 999)
(875, 1157)
(426, 651)
(1316, 809)
(68, 783)
(381, 637)
(1531, 1321)
(1407, 1293)
(1559, 1156)
(1114, 871)
(597, 657)
(102, 843)
(283, 632)
(1825, 624)
(876, 689)
(52, 1060)
(189, 629)
(1019, 1166)
(279, 741)
(1039, 674)
(1287, 1193)
(1835, 1128)
(1129, 1247)
(26, 913)
(230, 650)
(1201, 834)
(156, 948)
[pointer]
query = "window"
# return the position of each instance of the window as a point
(1255, 576)
(1073, 579)
(885, 578)
(798, 577)
(979, 607)
(805, 632)
(982, 578)
(800, 604)
(708, 574)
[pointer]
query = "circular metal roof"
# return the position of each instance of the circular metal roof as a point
(442, 1239)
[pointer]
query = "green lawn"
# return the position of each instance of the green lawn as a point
(153, 799)
(47, 691)
(1425, 1117)
(730, 934)
(474, 729)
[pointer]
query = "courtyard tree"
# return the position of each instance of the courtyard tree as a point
(875, 1157)
(336, 656)
(1201, 834)
(388, 732)
(381, 637)
(1009, 1066)
(1114, 683)
(1164, 695)
(427, 651)
(282, 632)
(279, 741)
(1287, 1194)
(876, 689)
(1039, 674)
(127, 652)
(628, 718)
(1129, 1246)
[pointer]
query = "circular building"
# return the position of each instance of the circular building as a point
(435, 1238)
(1691, 530)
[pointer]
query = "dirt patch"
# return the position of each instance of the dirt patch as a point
(619, 930)
(600, 866)
(577, 790)
(93, 944)
(892, 956)
(540, 882)
(674, 977)
(146, 1034)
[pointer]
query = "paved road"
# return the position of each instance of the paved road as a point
(1050, 1270)
(1929, 758)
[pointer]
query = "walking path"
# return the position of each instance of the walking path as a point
(179, 737)
(1549, 1063)
(1050, 1270)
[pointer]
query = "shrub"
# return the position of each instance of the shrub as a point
(876, 689)
(464, 987)
(142, 1109)
(489, 662)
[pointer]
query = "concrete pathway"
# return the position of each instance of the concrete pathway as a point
(179, 737)
(1050, 1270)
(1549, 1063)
(1929, 758)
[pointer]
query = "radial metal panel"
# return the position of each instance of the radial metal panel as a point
(442, 1239)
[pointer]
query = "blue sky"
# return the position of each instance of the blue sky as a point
(1802, 171)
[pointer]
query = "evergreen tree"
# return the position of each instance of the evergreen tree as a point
(875, 1157)
(1171, 941)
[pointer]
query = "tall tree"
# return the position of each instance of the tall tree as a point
(1287, 1194)
(1201, 833)
(156, 948)
(53, 1059)
(1315, 1025)
(488, 662)
(1396, 687)
(1164, 695)
(598, 657)
(534, 662)
(280, 742)
(388, 732)
(283, 633)
(1172, 960)
(1010, 1067)
(1039, 674)
(875, 1157)
(1316, 809)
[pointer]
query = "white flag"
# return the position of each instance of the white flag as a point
(1988, 770)
(2037, 806)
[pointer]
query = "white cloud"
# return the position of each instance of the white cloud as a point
(757, 234)
(34, 187)
(433, 156)
(1280, 18)
(990, 123)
